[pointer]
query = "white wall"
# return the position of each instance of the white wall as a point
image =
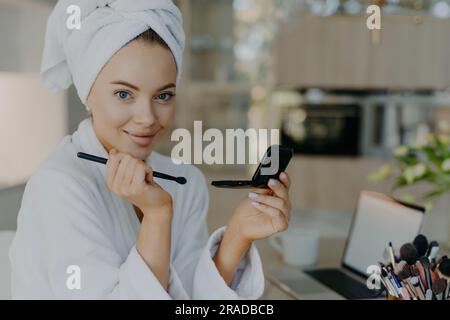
(22, 32)
(32, 124)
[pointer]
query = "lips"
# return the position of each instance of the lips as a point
(142, 139)
(140, 134)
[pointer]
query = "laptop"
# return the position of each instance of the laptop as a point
(377, 220)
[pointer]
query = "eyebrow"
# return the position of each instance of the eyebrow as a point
(167, 86)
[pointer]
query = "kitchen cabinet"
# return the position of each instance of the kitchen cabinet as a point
(338, 52)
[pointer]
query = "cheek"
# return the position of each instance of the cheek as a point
(165, 115)
(111, 117)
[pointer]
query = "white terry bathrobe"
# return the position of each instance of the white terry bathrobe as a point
(68, 217)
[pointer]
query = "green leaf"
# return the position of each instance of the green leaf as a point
(408, 198)
(433, 194)
(433, 156)
(399, 182)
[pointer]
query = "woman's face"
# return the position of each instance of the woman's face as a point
(133, 98)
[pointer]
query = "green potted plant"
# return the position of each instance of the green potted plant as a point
(427, 162)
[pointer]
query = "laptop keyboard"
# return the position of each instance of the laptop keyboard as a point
(342, 283)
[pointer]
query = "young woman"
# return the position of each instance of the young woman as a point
(88, 230)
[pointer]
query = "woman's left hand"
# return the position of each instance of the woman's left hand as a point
(260, 215)
(264, 212)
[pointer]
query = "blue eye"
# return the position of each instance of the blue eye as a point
(122, 95)
(165, 96)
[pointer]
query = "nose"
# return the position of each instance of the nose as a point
(144, 114)
(103, 3)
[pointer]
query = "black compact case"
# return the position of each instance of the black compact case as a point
(260, 179)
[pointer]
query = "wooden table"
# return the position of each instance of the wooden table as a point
(333, 227)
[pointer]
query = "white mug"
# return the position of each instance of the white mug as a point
(298, 246)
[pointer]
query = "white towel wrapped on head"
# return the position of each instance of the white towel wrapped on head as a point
(77, 55)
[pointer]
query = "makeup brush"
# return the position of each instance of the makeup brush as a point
(431, 247)
(442, 259)
(438, 288)
(426, 268)
(404, 273)
(386, 284)
(443, 271)
(403, 276)
(444, 268)
(429, 295)
(391, 254)
(392, 287)
(401, 291)
(421, 244)
(87, 156)
(447, 292)
(416, 273)
(408, 252)
(415, 283)
(399, 267)
(433, 250)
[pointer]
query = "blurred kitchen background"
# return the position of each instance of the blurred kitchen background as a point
(343, 96)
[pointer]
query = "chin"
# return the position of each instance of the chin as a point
(137, 151)
(141, 153)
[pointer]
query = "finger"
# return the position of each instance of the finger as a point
(279, 189)
(148, 175)
(271, 201)
(138, 178)
(156, 184)
(267, 191)
(278, 219)
(129, 173)
(120, 173)
(112, 165)
(275, 202)
(284, 178)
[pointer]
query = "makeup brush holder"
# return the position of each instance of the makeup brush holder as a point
(418, 272)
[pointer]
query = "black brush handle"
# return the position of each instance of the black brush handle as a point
(180, 180)
(156, 174)
(91, 157)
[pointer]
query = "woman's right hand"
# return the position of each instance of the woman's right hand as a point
(132, 179)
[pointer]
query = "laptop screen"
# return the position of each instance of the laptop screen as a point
(379, 220)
